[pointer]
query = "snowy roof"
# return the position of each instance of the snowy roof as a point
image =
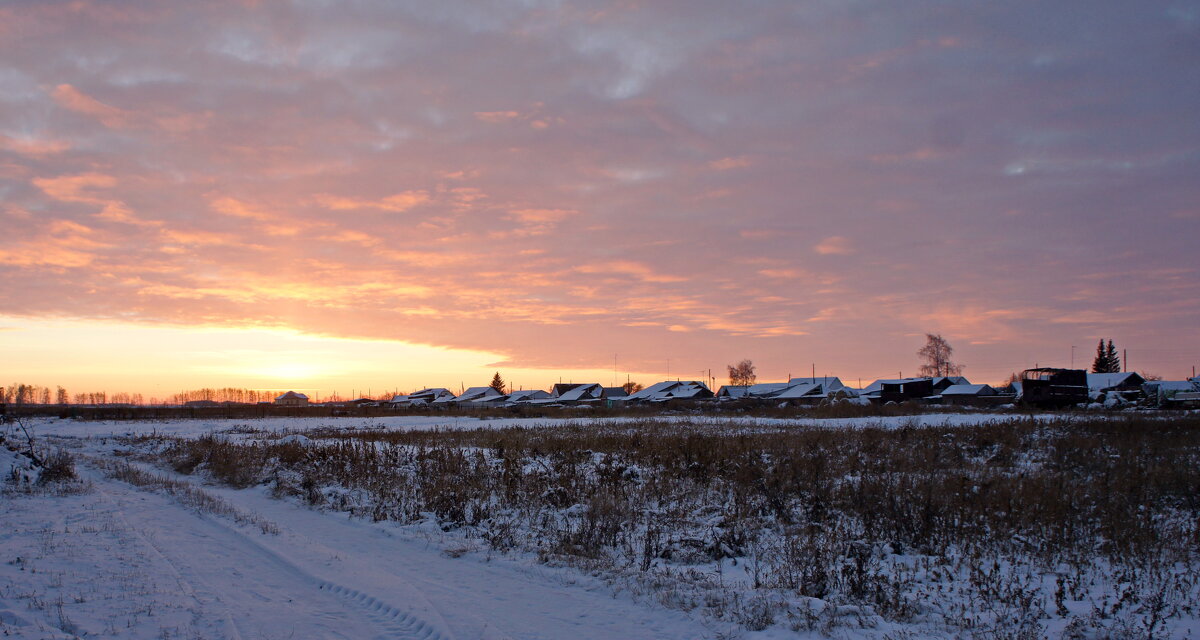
(672, 389)
(877, 386)
(799, 390)
(766, 388)
(292, 395)
(1170, 387)
(582, 392)
(829, 383)
(527, 395)
(477, 393)
(733, 391)
(563, 387)
(424, 395)
(953, 380)
(1105, 381)
(969, 390)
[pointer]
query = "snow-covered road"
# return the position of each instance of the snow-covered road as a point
(125, 561)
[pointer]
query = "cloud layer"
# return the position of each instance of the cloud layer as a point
(559, 182)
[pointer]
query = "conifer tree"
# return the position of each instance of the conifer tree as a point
(1100, 362)
(497, 383)
(1107, 360)
(1114, 361)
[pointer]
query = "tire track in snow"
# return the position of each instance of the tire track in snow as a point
(185, 585)
(404, 625)
(398, 623)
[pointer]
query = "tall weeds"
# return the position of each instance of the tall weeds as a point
(875, 517)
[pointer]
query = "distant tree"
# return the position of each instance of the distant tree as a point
(632, 387)
(497, 383)
(1150, 377)
(1106, 360)
(742, 373)
(936, 355)
(61, 397)
(1100, 362)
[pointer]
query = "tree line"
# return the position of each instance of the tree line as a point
(19, 393)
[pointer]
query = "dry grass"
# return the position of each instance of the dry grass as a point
(875, 518)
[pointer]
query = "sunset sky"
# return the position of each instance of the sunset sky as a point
(389, 195)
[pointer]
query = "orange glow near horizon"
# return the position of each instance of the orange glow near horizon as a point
(158, 361)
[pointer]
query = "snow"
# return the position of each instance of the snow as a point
(831, 383)
(123, 562)
(191, 428)
(669, 389)
(968, 390)
(1105, 381)
(877, 386)
(116, 560)
(581, 392)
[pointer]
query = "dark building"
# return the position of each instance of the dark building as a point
(1049, 387)
(905, 390)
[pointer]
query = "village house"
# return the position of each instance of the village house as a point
(967, 394)
(422, 397)
(473, 394)
(292, 399)
(672, 390)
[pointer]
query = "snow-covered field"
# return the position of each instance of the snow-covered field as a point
(133, 549)
(190, 428)
(111, 560)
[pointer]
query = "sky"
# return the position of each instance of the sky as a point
(343, 195)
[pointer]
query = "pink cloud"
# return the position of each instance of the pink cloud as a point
(71, 98)
(296, 166)
(33, 146)
(496, 116)
(399, 202)
(725, 164)
(834, 246)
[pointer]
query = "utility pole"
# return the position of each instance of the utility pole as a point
(1124, 359)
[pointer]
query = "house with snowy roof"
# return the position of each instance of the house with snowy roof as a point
(733, 391)
(828, 383)
(816, 389)
(475, 394)
(525, 395)
(1115, 388)
(899, 389)
(967, 394)
(943, 382)
(292, 399)
(672, 390)
(1124, 381)
(581, 393)
(802, 393)
(422, 397)
(760, 390)
(1165, 393)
